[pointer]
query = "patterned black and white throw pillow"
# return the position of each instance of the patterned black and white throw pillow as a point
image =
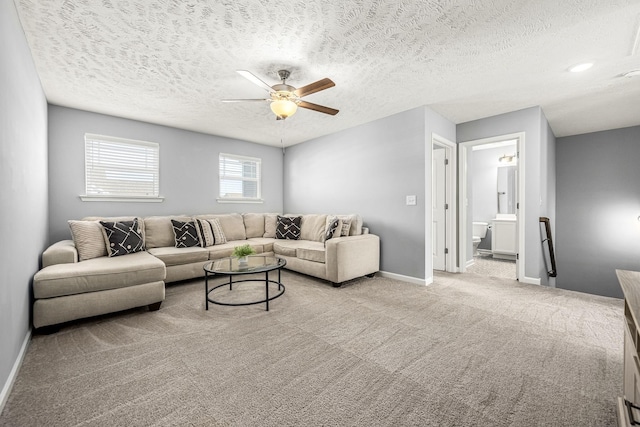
(332, 228)
(186, 235)
(205, 233)
(122, 237)
(288, 228)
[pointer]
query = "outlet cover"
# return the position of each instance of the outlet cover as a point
(411, 200)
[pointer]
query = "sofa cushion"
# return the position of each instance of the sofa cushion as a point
(112, 218)
(311, 251)
(122, 237)
(288, 228)
(266, 243)
(185, 234)
(175, 256)
(119, 219)
(270, 223)
(97, 274)
(159, 231)
(232, 225)
(253, 224)
(88, 239)
(226, 249)
(285, 247)
(312, 227)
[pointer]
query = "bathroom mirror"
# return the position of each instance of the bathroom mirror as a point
(507, 176)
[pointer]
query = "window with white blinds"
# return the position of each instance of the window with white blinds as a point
(121, 168)
(240, 178)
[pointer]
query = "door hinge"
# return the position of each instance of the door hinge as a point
(446, 161)
(517, 256)
(446, 251)
(518, 205)
(446, 205)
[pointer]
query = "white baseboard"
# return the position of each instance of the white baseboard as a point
(4, 395)
(407, 279)
(469, 263)
(530, 280)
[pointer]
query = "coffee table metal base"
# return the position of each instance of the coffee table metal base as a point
(266, 282)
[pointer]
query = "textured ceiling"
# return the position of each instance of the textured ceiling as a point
(171, 61)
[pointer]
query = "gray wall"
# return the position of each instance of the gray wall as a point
(369, 169)
(598, 205)
(188, 169)
(23, 179)
(538, 141)
(548, 180)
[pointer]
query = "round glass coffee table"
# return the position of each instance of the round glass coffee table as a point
(232, 267)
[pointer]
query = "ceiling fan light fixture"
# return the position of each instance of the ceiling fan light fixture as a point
(285, 99)
(284, 108)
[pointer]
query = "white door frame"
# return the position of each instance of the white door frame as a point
(463, 199)
(451, 173)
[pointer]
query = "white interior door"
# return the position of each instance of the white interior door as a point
(439, 227)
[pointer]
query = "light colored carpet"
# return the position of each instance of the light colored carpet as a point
(464, 351)
(486, 265)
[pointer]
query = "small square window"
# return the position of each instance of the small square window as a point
(240, 178)
(120, 168)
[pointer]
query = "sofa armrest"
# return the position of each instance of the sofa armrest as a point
(62, 252)
(352, 256)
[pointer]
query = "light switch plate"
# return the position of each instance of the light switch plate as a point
(411, 200)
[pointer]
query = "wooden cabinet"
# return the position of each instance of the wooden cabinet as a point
(629, 403)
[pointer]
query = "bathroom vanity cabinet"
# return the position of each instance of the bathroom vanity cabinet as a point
(629, 404)
(504, 232)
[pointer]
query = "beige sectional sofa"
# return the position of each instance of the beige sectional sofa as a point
(79, 279)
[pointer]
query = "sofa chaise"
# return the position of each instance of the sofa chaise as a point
(118, 263)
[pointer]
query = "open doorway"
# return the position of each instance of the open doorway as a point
(491, 238)
(443, 204)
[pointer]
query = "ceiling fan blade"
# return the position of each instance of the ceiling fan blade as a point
(255, 80)
(245, 100)
(314, 87)
(320, 108)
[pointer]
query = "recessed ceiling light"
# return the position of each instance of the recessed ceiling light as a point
(631, 73)
(581, 67)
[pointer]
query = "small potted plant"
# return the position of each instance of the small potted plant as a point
(241, 252)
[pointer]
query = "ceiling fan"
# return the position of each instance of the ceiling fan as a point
(284, 98)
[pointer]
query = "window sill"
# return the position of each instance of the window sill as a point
(85, 198)
(220, 200)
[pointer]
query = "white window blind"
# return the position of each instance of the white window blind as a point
(240, 178)
(117, 167)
